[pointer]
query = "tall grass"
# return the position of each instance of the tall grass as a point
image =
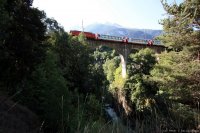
(178, 117)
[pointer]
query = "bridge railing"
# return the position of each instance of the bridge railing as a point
(111, 38)
(128, 40)
(91, 35)
(157, 42)
(140, 41)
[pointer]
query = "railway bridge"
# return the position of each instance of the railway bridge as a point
(124, 49)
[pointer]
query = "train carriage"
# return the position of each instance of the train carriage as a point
(87, 34)
(91, 35)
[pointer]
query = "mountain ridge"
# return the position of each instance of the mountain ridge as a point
(118, 30)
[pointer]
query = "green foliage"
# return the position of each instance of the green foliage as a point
(47, 94)
(141, 62)
(21, 41)
(74, 59)
(119, 81)
(86, 110)
(178, 76)
(109, 68)
(183, 117)
(97, 70)
(177, 72)
(178, 32)
(82, 38)
(53, 26)
(142, 90)
(61, 82)
(102, 127)
(102, 54)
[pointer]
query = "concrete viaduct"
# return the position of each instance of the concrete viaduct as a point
(124, 49)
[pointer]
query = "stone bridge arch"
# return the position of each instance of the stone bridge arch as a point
(123, 49)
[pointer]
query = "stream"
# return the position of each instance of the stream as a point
(115, 119)
(111, 113)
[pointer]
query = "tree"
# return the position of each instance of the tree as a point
(97, 79)
(181, 67)
(47, 95)
(138, 68)
(178, 27)
(177, 72)
(109, 68)
(141, 62)
(21, 41)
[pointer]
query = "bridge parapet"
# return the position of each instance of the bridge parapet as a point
(124, 49)
(121, 47)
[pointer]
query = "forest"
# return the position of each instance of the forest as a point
(52, 82)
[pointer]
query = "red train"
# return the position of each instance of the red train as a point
(112, 38)
(87, 34)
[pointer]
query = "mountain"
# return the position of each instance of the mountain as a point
(117, 30)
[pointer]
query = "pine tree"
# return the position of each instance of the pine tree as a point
(179, 25)
(178, 71)
(181, 67)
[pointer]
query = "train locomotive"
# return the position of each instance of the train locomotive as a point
(91, 35)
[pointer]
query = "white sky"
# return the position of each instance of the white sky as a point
(128, 13)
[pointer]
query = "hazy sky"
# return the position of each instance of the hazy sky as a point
(128, 13)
